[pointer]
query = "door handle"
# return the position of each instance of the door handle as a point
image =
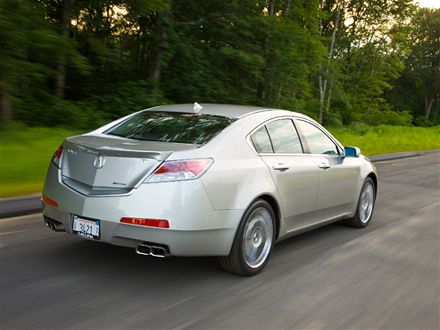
(281, 167)
(324, 165)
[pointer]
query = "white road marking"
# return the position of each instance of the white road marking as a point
(178, 303)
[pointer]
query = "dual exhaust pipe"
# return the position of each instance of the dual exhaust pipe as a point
(54, 225)
(146, 249)
(157, 251)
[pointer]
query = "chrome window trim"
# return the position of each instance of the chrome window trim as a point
(338, 145)
(249, 140)
(298, 131)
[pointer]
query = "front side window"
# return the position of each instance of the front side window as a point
(171, 127)
(284, 137)
(318, 142)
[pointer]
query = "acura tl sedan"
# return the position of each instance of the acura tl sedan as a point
(207, 180)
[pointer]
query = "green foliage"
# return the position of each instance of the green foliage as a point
(332, 119)
(77, 63)
(129, 97)
(387, 117)
(422, 121)
(43, 109)
(369, 50)
(418, 88)
(30, 46)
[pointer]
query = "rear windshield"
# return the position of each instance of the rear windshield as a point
(171, 127)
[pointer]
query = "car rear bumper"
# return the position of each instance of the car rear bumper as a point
(196, 229)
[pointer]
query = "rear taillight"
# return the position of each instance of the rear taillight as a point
(160, 223)
(178, 170)
(57, 156)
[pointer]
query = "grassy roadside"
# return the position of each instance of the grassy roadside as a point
(25, 152)
(379, 140)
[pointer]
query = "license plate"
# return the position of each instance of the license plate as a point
(87, 228)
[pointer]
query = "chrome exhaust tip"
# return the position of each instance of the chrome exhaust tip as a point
(143, 249)
(158, 252)
(54, 225)
(152, 250)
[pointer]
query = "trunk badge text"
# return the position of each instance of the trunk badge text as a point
(99, 162)
(72, 151)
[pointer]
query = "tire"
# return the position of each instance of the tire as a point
(253, 242)
(365, 205)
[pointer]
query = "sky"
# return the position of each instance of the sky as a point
(430, 3)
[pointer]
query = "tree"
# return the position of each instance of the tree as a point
(30, 45)
(363, 58)
(336, 60)
(27, 43)
(424, 62)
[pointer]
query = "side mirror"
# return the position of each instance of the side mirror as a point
(351, 152)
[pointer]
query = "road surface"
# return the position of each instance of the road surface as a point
(384, 276)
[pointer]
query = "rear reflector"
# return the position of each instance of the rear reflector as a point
(147, 222)
(49, 201)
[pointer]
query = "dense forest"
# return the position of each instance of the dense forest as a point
(79, 63)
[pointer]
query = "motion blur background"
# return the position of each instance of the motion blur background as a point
(369, 70)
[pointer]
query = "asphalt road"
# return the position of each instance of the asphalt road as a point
(384, 276)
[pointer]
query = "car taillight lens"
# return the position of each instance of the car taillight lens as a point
(57, 156)
(179, 170)
(160, 223)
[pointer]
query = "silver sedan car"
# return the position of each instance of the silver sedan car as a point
(207, 180)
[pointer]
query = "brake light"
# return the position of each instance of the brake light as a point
(57, 156)
(179, 170)
(160, 223)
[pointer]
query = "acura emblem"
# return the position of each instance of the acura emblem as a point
(99, 162)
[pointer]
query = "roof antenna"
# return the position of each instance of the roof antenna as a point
(197, 107)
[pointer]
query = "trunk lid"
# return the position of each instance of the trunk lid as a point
(104, 165)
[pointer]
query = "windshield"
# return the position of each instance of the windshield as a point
(171, 127)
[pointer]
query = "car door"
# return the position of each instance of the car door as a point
(337, 175)
(295, 174)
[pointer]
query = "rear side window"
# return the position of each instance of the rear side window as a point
(261, 141)
(284, 137)
(318, 142)
(171, 127)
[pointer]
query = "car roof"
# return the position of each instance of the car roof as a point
(226, 110)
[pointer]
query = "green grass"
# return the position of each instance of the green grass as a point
(25, 153)
(389, 139)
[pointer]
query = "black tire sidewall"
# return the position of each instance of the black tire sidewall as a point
(236, 256)
(357, 219)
